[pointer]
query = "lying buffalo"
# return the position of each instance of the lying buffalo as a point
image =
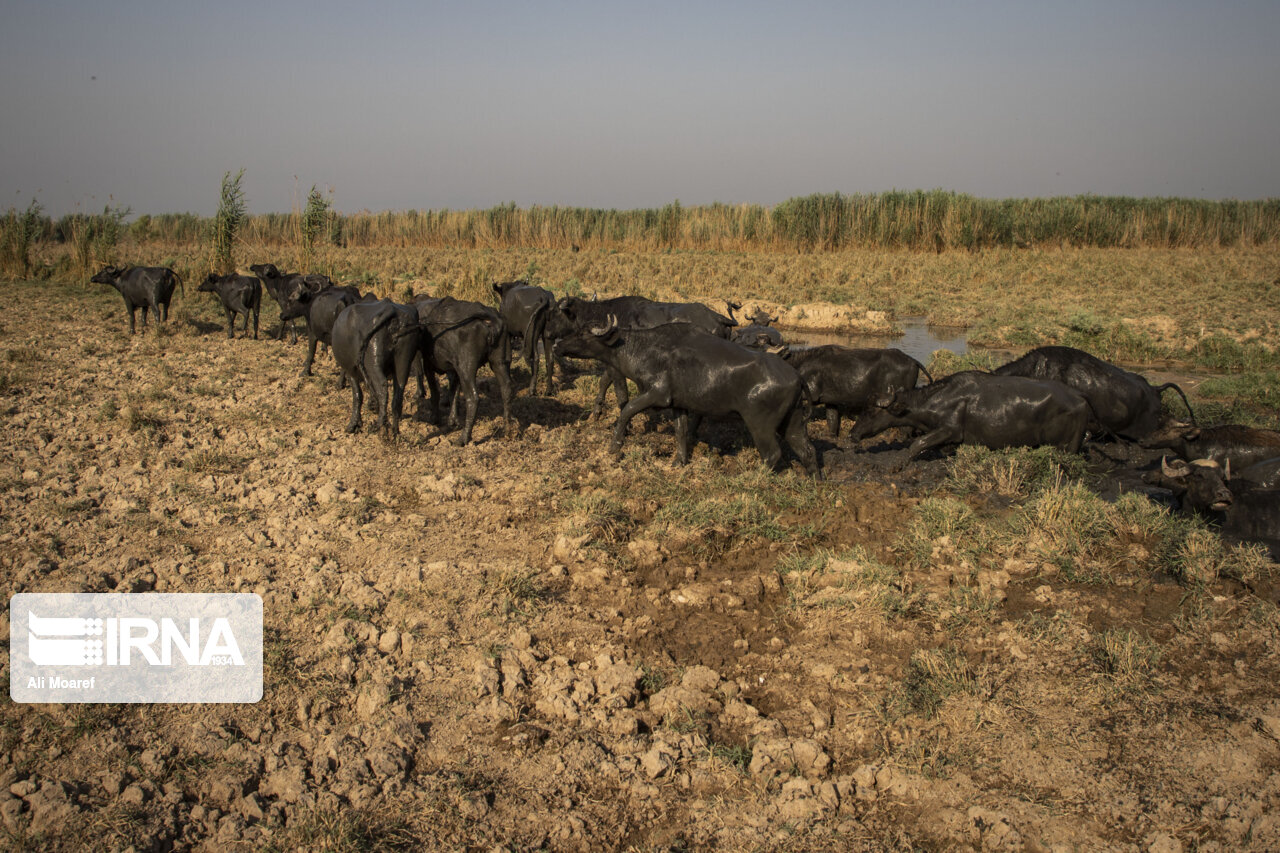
(979, 408)
(239, 294)
(1243, 511)
(148, 288)
(759, 333)
(679, 367)
(373, 343)
(462, 336)
(1240, 446)
(1124, 403)
(285, 287)
(849, 381)
(320, 311)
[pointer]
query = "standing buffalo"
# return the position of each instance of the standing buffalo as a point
(148, 288)
(849, 381)
(463, 336)
(320, 311)
(284, 288)
(1124, 403)
(525, 309)
(239, 294)
(572, 315)
(1230, 444)
(679, 367)
(993, 411)
(373, 343)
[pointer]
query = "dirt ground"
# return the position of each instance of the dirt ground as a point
(526, 644)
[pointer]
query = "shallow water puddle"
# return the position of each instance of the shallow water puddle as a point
(918, 339)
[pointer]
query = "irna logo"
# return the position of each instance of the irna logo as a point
(57, 641)
(151, 647)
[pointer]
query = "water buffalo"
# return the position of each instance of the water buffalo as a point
(284, 288)
(239, 294)
(320, 311)
(572, 315)
(849, 381)
(373, 343)
(1124, 403)
(972, 407)
(1241, 446)
(463, 336)
(525, 309)
(759, 332)
(680, 367)
(148, 288)
(1243, 510)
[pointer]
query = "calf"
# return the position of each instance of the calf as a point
(148, 288)
(676, 366)
(849, 381)
(239, 294)
(992, 411)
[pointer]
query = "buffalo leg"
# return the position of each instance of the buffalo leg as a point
(311, 351)
(357, 403)
(653, 396)
(686, 434)
(797, 437)
(231, 323)
(833, 421)
(133, 319)
(467, 388)
(504, 387)
(765, 436)
(937, 438)
(144, 317)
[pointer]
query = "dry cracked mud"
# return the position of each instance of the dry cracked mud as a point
(527, 644)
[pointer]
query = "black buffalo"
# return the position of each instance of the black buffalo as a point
(572, 315)
(1243, 510)
(849, 381)
(525, 310)
(972, 407)
(320, 311)
(677, 366)
(1124, 404)
(1239, 446)
(759, 332)
(285, 287)
(148, 288)
(239, 294)
(373, 343)
(463, 336)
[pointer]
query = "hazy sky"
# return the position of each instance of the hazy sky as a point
(400, 105)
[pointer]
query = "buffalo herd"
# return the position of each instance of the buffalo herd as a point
(695, 362)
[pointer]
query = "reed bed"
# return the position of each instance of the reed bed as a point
(935, 221)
